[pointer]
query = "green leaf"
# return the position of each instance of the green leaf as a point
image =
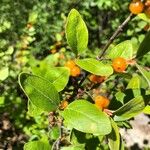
(114, 137)
(76, 32)
(37, 145)
(33, 110)
(144, 46)
(85, 117)
(120, 96)
(74, 147)
(131, 108)
(39, 91)
(4, 73)
(147, 110)
(134, 83)
(58, 76)
(124, 49)
(95, 67)
(144, 17)
(145, 74)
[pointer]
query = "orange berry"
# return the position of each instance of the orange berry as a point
(119, 64)
(96, 79)
(93, 78)
(70, 64)
(147, 12)
(75, 71)
(101, 102)
(63, 104)
(136, 7)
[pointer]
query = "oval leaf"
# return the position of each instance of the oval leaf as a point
(39, 91)
(85, 117)
(58, 76)
(131, 109)
(124, 49)
(76, 32)
(114, 137)
(95, 67)
(144, 46)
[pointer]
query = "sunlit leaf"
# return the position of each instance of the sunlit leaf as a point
(86, 117)
(39, 91)
(58, 76)
(124, 49)
(76, 32)
(131, 108)
(95, 67)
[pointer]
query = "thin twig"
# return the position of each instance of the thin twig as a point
(56, 145)
(120, 29)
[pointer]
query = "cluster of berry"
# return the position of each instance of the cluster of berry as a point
(74, 69)
(119, 64)
(138, 6)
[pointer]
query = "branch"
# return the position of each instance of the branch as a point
(120, 29)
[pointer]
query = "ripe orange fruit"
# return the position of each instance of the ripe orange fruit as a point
(96, 79)
(136, 7)
(101, 102)
(63, 104)
(119, 64)
(70, 64)
(75, 71)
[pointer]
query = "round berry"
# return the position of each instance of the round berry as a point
(63, 104)
(75, 71)
(119, 64)
(101, 102)
(93, 78)
(70, 64)
(96, 79)
(136, 7)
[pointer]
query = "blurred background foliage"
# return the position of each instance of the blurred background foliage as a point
(32, 32)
